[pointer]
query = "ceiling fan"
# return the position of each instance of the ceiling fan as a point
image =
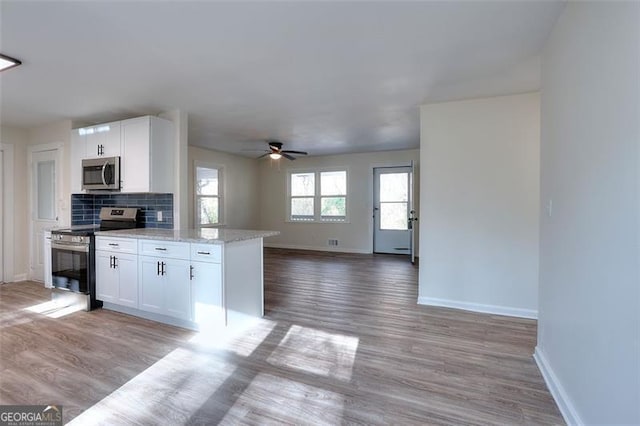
(275, 152)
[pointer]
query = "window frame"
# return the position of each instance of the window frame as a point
(221, 191)
(317, 197)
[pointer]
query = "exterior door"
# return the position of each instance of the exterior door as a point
(44, 212)
(392, 210)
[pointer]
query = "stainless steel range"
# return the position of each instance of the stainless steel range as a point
(73, 257)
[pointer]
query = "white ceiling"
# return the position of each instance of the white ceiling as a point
(326, 77)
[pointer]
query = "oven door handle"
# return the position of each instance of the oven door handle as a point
(84, 248)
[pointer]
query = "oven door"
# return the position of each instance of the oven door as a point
(70, 266)
(101, 173)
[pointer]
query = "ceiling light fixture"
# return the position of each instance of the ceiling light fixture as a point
(7, 62)
(275, 156)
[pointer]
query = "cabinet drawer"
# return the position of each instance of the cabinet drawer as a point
(122, 245)
(206, 252)
(164, 249)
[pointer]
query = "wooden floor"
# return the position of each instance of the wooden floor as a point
(343, 341)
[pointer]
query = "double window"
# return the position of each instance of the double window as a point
(208, 195)
(317, 196)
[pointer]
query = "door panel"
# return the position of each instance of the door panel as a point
(151, 285)
(178, 288)
(45, 168)
(106, 278)
(2, 215)
(392, 197)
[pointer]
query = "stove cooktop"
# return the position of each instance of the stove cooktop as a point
(77, 230)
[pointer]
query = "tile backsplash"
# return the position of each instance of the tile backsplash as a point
(85, 208)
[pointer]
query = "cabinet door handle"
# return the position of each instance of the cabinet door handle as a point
(204, 252)
(161, 249)
(115, 262)
(163, 271)
(158, 271)
(191, 272)
(114, 244)
(110, 262)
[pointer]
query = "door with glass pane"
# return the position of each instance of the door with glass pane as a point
(392, 210)
(44, 211)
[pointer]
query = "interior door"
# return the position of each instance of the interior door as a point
(44, 211)
(2, 215)
(391, 208)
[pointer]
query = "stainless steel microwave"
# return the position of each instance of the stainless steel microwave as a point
(101, 174)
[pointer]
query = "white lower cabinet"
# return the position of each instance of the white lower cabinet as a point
(164, 279)
(117, 278)
(206, 289)
(164, 286)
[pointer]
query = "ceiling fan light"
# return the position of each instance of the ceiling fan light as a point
(275, 156)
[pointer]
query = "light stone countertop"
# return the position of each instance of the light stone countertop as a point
(204, 235)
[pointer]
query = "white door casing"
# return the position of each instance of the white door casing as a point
(7, 213)
(391, 210)
(412, 213)
(2, 215)
(45, 181)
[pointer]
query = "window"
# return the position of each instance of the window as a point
(208, 196)
(318, 196)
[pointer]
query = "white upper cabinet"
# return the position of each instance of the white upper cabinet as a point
(146, 164)
(144, 145)
(102, 140)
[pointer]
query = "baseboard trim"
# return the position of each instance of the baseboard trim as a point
(177, 322)
(478, 307)
(314, 248)
(558, 393)
(20, 277)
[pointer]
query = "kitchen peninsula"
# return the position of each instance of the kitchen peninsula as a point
(194, 278)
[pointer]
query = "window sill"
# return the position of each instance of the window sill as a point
(319, 222)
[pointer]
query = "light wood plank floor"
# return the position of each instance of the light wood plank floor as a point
(342, 342)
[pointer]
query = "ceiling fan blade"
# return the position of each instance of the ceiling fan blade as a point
(295, 152)
(264, 155)
(287, 156)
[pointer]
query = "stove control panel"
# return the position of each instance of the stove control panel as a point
(67, 238)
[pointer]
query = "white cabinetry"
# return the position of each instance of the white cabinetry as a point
(117, 271)
(147, 155)
(195, 285)
(144, 145)
(164, 278)
(207, 307)
(102, 140)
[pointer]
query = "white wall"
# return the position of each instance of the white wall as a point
(240, 181)
(589, 321)
(480, 196)
(18, 139)
(180, 121)
(355, 236)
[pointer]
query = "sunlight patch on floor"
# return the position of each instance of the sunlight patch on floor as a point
(54, 309)
(179, 383)
(277, 400)
(239, 340)
(317, 352)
